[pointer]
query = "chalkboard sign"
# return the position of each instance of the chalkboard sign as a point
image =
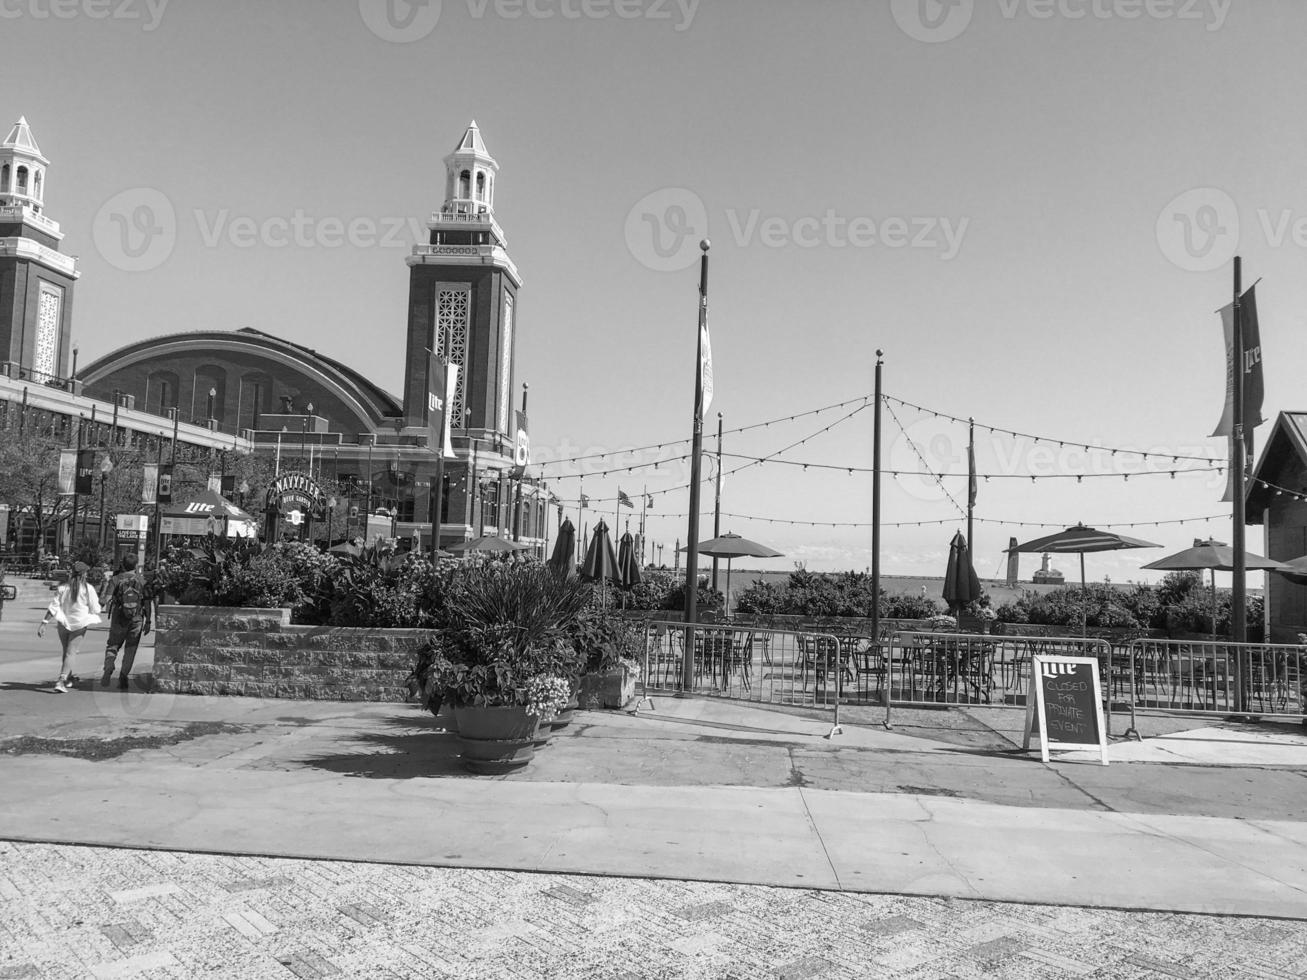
(1065, 710)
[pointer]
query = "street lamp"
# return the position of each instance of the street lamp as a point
(72, 386)
(106, 467)
(213, 394)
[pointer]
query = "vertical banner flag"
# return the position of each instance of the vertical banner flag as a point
(1253, 384)
(165, 484)
(451, 386)
(648, 501)
(971, 475)
(623, 499)
(705, 364)
(149, 482)
(67, 469)
(215, 482)
(435, 403)
(585, 501)
(522, 448)
(85, 479)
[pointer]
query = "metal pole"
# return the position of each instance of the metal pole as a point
(367, 517)
(875, 530)
(1238, 598)
(717, 512)
(696, 452)
(158, 521)
(971, 482)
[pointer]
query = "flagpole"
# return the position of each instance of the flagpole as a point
(696, 451)
(971, 484)
(580, 515)
(644, 501)
(1238, 620)
(875, 522)
(717, 510)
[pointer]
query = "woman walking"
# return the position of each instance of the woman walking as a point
(74, 608)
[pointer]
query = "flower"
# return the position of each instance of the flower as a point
(547, 695)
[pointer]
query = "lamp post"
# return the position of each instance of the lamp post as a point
(213, 395)
(304, 438)
(367, 513)
(106, 467)
(113, 427)
(72, 381)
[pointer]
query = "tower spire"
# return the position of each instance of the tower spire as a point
(470, 176)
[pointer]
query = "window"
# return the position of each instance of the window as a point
(465, 185)
(22, 180)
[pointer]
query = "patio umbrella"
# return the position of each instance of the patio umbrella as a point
(489, 542)
(600, 563)
(1295, 570)
(628, 565)
(961, 586)
(1217, 557)
(730, 546)
(562, 560)
(1079, 540)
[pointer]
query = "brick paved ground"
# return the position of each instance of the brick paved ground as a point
(68, 911)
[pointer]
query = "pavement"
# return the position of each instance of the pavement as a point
(696, 838)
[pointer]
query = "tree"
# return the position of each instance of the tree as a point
(29, 476)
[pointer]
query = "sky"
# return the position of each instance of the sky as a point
(1029, 205)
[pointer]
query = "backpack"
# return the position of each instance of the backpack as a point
(129, 597)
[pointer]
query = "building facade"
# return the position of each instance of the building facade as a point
(315, 414)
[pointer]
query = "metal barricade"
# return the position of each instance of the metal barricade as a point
(1216, 677)
(745, 663)
(929, 669)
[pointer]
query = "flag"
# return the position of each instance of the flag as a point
(971, 475)
(149, 482)
(705, 362)
(522, 448)
(215, 483)
(1253, 384)
(165, 484)
(648, 501)
(623, 499)
(85, 481)
(67, 469)
(585, 501)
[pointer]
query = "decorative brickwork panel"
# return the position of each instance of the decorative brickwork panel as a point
(453, 317)
(506, 366)
(45, 358)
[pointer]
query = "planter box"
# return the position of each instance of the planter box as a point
(613, 688)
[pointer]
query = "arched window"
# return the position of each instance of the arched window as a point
(36, 185)
(4, 179)
(481, 185)
(22, 180)
(465, 185)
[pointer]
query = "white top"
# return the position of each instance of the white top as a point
(75, 612)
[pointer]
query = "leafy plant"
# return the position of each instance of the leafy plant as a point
(606, 642)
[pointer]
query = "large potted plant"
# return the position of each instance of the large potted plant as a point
(612, 648)
(504, 635)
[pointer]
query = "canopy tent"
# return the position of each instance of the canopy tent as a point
(208, 513)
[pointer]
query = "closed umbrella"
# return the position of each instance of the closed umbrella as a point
(627, 564)
(489, 542)
(600, 563)
(562, 560)
(961, 586)
(1217, 557)
(730, 546)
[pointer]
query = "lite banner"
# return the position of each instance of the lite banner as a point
(149, 482)
(971, 475)
(436, 392)
(85, 480)
(1253, 384)
(522, 447)
(165, 484)
(67, 470)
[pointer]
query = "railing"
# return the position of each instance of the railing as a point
(930, 668)
(761, 666)
(11, 369)
(1214, 677)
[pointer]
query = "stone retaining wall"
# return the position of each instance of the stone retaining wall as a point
(257, 653)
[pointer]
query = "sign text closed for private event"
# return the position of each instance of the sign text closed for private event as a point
(1064, 707)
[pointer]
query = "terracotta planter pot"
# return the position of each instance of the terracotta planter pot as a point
(496, 740)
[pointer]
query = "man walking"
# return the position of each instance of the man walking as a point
(129, 619)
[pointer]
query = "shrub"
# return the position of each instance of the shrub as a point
(606, 642)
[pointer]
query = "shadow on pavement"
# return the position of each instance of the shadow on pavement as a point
(420, 748)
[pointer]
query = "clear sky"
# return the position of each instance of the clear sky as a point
(1029, 205)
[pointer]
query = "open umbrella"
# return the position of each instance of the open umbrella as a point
(1079, 540)
(730, 546)
(1295, 570)
(1217, 557)
(600, 563)
(489, 542)
(561, 560)
(961, 586)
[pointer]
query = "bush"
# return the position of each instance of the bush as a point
(808, 593)
(606, 642)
